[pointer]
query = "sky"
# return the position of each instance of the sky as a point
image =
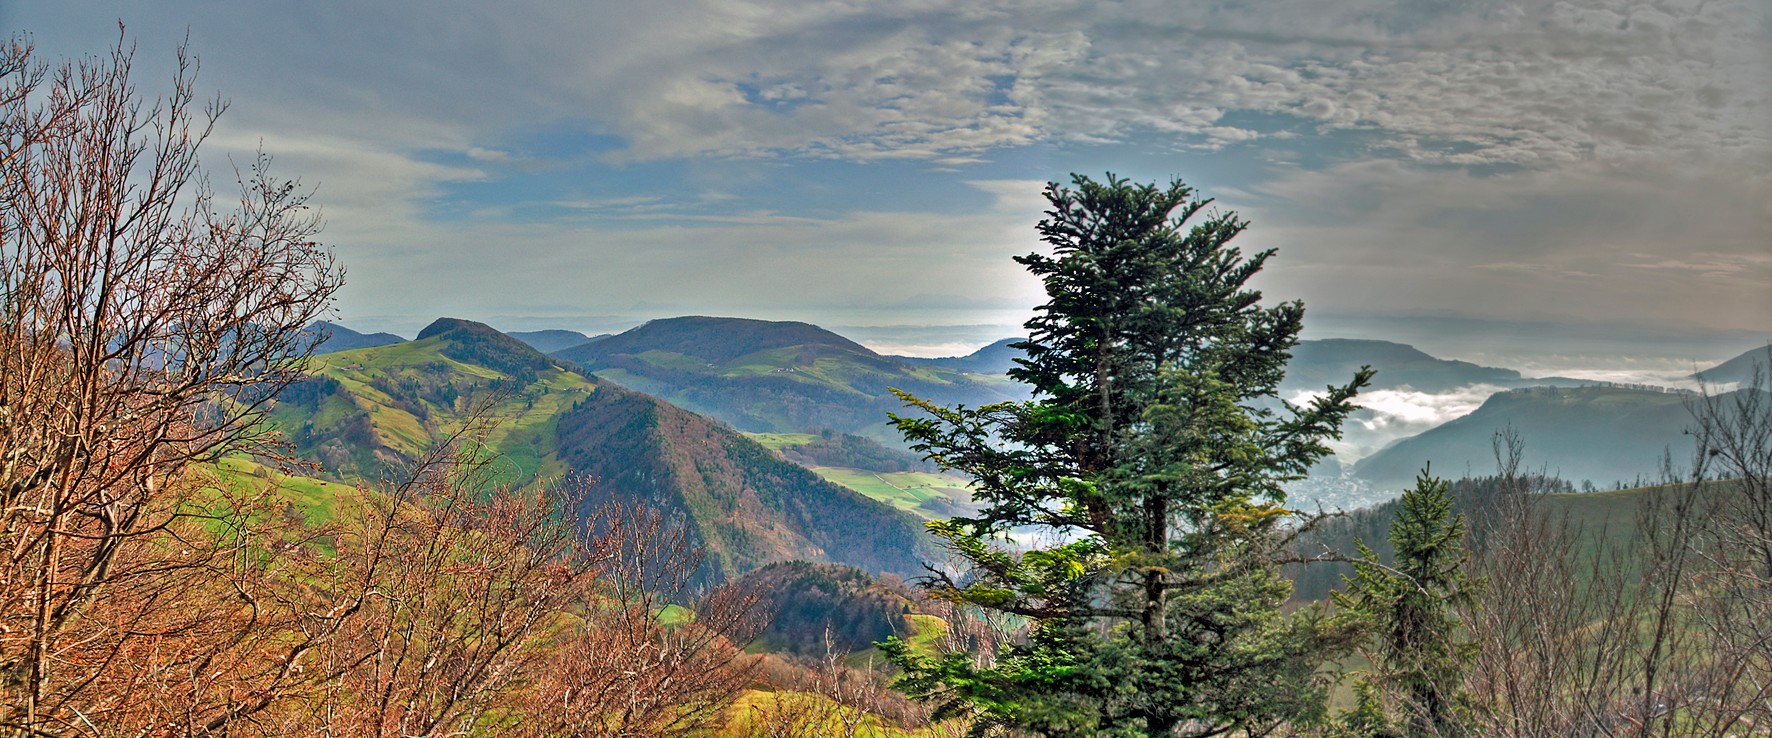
(1536, 184)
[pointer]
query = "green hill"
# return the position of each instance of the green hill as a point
(1606, 435)
(775, 377)
(1605, 519)
(750, 506)
(364, 413)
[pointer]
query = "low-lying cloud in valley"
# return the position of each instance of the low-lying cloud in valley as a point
(1388, 415)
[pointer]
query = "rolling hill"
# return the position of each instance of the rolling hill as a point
(1739, 371)
(1317, 363)
(1601, 521)
(775, 377)
(997, 358)
(336, 337)
(1606, 435)
(365, 412)
(549, 341)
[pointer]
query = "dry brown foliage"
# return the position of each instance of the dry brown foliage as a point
(143, 327)
(146, 329)
(1667, 636)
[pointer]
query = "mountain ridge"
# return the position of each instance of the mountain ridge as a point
(334, 337)
(776, 376)
(1606, 435)
(365, 412)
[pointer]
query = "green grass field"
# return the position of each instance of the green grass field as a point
(522, 427)
(927, 495)
(779, 441)
(316, 500)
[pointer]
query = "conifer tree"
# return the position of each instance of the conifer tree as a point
(1148, 471)
(1416, 653)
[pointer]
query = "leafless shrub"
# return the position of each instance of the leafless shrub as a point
(144, 326)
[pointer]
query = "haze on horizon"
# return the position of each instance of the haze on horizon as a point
(1486, 179)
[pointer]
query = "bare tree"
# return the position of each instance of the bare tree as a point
(1732, 590)
(644, 656)
(144, 326)
(1663, 632)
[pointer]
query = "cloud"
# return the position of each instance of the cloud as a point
(1646, 243)
(1391, 414)
(1538, 159)
(1528, 83)
(858, 268)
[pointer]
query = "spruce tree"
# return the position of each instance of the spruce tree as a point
(1147, 470)
(1416, 654)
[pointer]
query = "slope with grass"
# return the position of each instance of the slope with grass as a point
(775, 377)
(367, 413)
(898, 478)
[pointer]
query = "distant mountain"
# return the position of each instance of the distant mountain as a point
(365, 412)
(1606, 435)
(1740, 370)
(550, 341)
(1318, 363)
(335, 337)
(997, 358)
(1411, 393)
(763, 376)
(718, 340)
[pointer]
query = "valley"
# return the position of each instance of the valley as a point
(785, 384)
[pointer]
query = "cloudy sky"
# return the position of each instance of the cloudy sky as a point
(1569, 176)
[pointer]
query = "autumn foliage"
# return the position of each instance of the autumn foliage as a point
(146, 328)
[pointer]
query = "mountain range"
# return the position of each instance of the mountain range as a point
(364, 413)
(996, 358)
(334, 337)
(777, 377)
(807, 393)
(552, 340)
(1742, 370)
(1605, 435)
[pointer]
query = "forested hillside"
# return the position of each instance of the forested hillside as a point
(820, 608)
(749, 506)
(368, 413)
